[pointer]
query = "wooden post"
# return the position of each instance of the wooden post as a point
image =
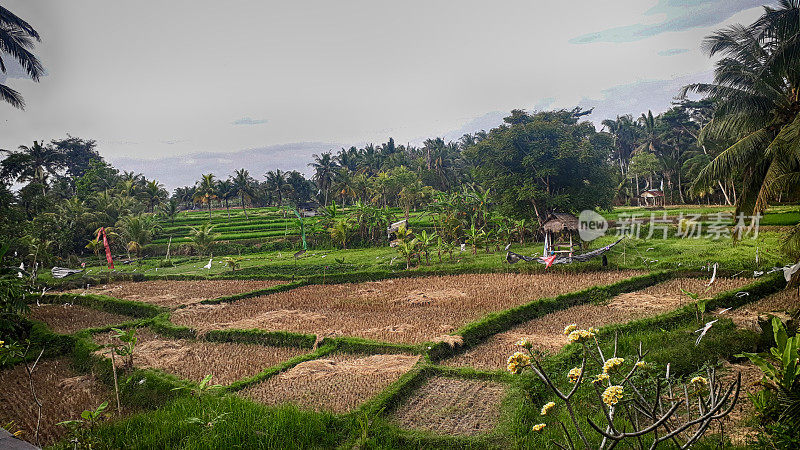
(116, 386)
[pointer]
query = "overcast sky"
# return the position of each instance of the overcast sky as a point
(206, 83)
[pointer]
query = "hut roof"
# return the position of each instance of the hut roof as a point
(652, 193)
(558, 222)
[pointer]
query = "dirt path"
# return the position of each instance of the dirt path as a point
(410, 310)
(452, 406)
(67, 318)
(64, 395)
(338, 383)
(546, 332)
(175, 293)
(193, 360)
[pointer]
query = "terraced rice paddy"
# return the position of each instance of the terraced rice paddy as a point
(546, 333)
(63, 393)
(452, 406)
(337, 383)
(68, 318)
(193, 360)
(409, 310)
(777, 304)
(174, 293)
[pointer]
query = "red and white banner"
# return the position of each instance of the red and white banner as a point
(102, 231)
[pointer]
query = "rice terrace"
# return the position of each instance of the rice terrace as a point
(225, 259)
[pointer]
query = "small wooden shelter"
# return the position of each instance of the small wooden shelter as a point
(652, 197)
(560, 234)
(308, 209)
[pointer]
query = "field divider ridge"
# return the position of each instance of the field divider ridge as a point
(256, 293)
(101, 303)
(277, 369)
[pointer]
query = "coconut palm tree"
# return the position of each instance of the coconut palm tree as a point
(153, 194)
(137, 231)
(206, 191)
(170, 210)
(16, 41)
(243, 185)
(203, 237)
(33, 163)
(340, 232)
(277, 185)
(756, 90)
(225, 192)
(324, 172)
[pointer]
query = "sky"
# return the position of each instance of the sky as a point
(177, 88)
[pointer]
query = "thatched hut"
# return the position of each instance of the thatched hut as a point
(652, 197)
(560, 234)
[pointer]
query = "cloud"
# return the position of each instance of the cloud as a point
(639, 97)
(673, 51)
(678, 15)
(295, 156)
(249, 121)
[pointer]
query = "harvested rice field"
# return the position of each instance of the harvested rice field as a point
(174, 293)
(338, 383)
(192, 360)
(778, 304)
(68, 318)
(452, 406)
(63, 392)
(408, 310)
(546, 333)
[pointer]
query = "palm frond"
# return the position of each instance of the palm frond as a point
(11, 96)
(11, 20)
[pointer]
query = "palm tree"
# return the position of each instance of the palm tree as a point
(153, 194)
(206, 191)
(225, 192)
(277, 185)
(243, 185)
(170, 210)
(137, 231)
(324, 172)
(16, 40)
(756, 90)
(624, 131)
(203, 237)
(31, 164)
(340, 231)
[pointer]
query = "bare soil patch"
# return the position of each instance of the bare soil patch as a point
(547, 332)
(338, 383)
(68, 318)
(777, 304)
(193, 360)
(452, 406)
(63, 392)
(175, 293)
(409, 310)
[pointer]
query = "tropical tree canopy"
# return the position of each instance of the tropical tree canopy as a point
(544, 162)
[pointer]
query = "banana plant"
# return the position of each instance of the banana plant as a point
(780, 365)
(425, 242)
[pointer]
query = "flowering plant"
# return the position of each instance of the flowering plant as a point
(647, 403)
